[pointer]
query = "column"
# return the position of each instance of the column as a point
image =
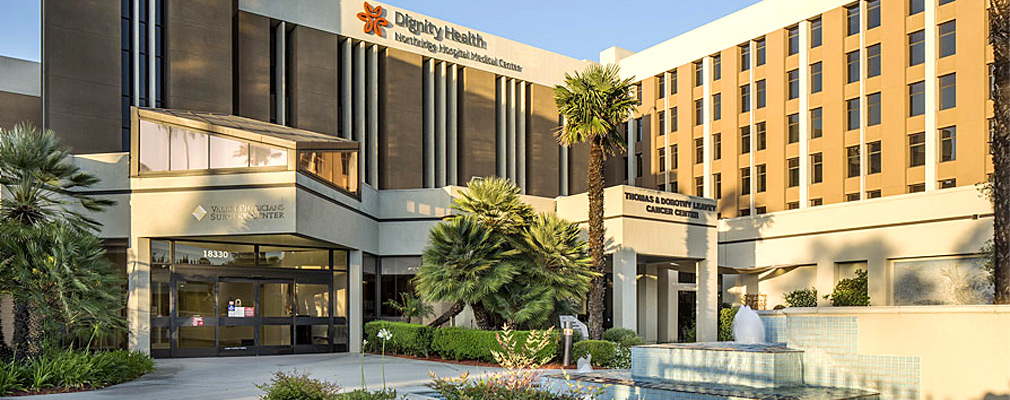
(429, 122)
(280, 74)
(706, 68)
(753, 132)
(346, 83)
(452, 122)
(667, 81)
(863, 104)
(667, 305)
(521, 136)
(563, 170)
(625, 289)
(359, 107)
(135, 29)
(138, 295)
(632, 130)
(440, 128)
(708, 293)
(500, 156)
(804, 115)
(648, 305)
(355, 311)
(825, 283)
(877, 282)
(372, 136)
(931, 94)
(152, 67)
(510, 131)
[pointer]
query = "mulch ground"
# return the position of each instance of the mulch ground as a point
(52, 391)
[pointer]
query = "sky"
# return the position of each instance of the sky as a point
(579, 29)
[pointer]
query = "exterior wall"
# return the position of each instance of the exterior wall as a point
(401, 147)
(313, 72)
(82, 54)
(477, 126)
(199, 65)
(20, 108)
(542, 148)
(252, 66)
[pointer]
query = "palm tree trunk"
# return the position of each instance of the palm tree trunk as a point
(482, 317)
(22, 328)
(451, 312)
(596, 231)
(999, 37)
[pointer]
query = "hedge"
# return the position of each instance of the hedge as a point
(409, 339)
(471, 344)
(603, 352)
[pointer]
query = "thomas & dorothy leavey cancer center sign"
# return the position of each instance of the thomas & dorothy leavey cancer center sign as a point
(658, 204)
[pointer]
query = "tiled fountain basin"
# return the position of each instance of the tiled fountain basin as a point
(721, 363)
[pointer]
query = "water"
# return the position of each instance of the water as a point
(747, 327)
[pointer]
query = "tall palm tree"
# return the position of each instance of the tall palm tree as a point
(999, 38)
(463, 263)
(593, 104)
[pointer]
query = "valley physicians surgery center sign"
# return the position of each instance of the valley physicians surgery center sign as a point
(375, 21)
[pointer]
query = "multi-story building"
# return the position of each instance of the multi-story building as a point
(294, 156)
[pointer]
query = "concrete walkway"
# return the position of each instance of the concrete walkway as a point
(233, 378)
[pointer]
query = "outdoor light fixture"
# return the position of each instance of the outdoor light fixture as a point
(567, 331)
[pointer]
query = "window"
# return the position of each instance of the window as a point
(852, 112)
(662, 160)
(699, 186)
(745, 181)
(948, 39)
(699, 150)
(794, 83)
(744, 212)
(873, 159)
(872, 14)
(716, 67)
(873, 61)
(794, 172)
(948, 144)
(762, 91)
(816, 202)
(762, 177)
(816, 123)
(674, 157)
(338, 168)
(660, 86)
(816, 77)
(793, 40)
(917, 188)
(942, 2)
(793, 205)
(916, 6)
(760, 210)
(638, 165)
(717, 182)
(815, 33)
(744, 98)
(673, 82)
(916, 48)
(873, 108)
(852, 197)
(699, 73)
(744, 139)
(852, 12)
(793, 128)
(717, 146)
(916, 99)
(699, 112)
(916, 149)
(717, 106)
(762, 136)
(638, 92)
(852, 67)
(852, 161)
(638, 129)
(744, 56)
(674, 187)
(873, 194)
(673, 119)
(759, 46)
(661, 116)
(948, 183)
(817, 168)
(948, 91)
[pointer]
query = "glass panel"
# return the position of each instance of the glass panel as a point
(189, 150)
(312, 334)
(191, 337)
(236, 299)
(340, 259)
(340, 294)
(237, 336)
(262, 156)
(275, 300)
(196, 299)
(153, 147)
(942, 281)
(290, 257)
(213, 253)
(160, 287)
(161, 338)
(160, 252)
(338, 168)
(313, 300)
(227, 153)
(275, 335)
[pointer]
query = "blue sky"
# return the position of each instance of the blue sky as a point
(575, 28)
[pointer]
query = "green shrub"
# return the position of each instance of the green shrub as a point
(295, 386)
(11, 377)
(453, 343)
(73, 369)
(726, 316)
(362, 394)
(623, 336)
(463, 389)
(802, 298)
(603, 353)
(409, 339)
(851, 292)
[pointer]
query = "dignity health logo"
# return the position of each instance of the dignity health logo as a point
(373, 19)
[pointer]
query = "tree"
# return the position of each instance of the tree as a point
(593, 104)
(496, 204)
(463, 263)
(999, 38)
(410, 307)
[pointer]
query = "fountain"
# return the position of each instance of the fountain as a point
(746, 368)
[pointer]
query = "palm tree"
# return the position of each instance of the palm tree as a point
(463, 263)
(495, 203)
(593, 104)
(999, 38)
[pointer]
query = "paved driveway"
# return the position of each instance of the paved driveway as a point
(233, 378)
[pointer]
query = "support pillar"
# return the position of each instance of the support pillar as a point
(708, 299)
(138, 295)
(648, 305)
(626, 289)
(667, 306)
(825, 281)
(355, 312)
(877, 281)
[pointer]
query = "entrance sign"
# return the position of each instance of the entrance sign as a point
(668, 206)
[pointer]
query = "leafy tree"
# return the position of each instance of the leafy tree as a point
(999, 38)
(410, 307)
(593, 104)
(464, 263)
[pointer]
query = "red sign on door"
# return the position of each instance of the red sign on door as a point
(250, 312)
(197, 321)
